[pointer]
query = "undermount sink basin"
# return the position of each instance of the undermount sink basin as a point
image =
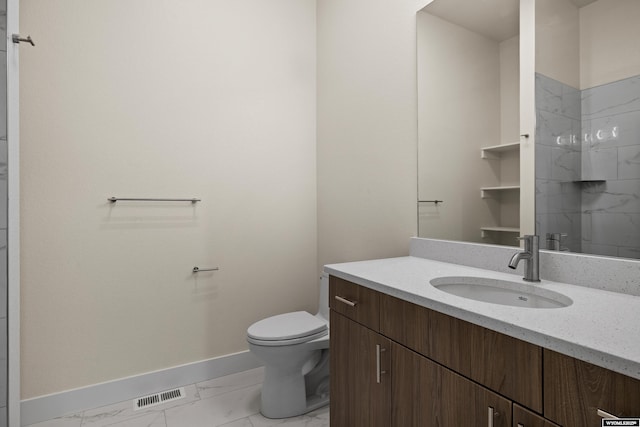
(502, 292)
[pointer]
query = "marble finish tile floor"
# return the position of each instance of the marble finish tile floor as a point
(230, 401)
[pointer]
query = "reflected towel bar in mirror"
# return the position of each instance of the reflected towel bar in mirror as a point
(198, 270)
(116, 199)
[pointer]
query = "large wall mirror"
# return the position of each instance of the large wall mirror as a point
(588, 126)
(468, 123)
(587, 133)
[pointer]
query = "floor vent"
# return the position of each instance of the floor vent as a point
(158, 398)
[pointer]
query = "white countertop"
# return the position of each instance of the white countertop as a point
(600, 327)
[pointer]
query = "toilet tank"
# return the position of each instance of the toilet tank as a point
(323, 303)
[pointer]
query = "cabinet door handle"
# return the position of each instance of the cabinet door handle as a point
(491, 414)
(346, 301)
(604, 414)
(379, 372)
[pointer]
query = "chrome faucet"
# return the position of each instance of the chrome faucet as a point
(531, 257)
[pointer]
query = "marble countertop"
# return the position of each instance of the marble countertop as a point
(600, 327)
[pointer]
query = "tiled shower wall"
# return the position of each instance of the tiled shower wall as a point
(611, 156)
(558, 161)
(588, 165)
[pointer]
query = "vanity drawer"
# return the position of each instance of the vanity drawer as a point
(503, 364)
(355, 302)
(522, 417)
(574, 391)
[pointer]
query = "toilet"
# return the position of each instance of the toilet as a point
(294, 349)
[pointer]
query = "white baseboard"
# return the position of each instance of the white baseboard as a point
(55, 405)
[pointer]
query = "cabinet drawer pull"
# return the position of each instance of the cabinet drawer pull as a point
(378, 371)
(604, 414)
(346, 301)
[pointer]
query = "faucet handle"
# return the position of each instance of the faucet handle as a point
(556, 236)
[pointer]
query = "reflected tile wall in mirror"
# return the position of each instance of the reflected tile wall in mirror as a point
(611, 153)
(558, 162)
(588, 166)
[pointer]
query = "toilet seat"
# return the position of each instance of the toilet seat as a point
(287, 329)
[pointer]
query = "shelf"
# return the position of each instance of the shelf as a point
(483, 230)
(484, 190)
(494, 151)
(502, 229)
(497, 152)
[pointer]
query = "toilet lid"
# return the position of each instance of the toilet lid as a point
(286, 327)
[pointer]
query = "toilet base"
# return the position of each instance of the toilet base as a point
(287, 394)
(312, 403)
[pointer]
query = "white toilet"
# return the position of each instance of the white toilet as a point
(294, 348)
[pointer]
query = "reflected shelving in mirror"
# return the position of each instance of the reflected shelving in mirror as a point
(468, 117)
(486, 192)
(486, 232)
(495, 151)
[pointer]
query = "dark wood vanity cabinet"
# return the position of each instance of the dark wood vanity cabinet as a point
(574, 391)
(359, 359)
(397, 364)
(424, 393)
(522, 417)
(376, 382)
(355, 302)
(360, 385)
(506, 365)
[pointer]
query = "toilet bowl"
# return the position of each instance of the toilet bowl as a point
(294, 349)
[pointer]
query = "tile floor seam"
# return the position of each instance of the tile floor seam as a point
(132, 418)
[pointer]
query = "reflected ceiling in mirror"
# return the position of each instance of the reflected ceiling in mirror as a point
(495, 19)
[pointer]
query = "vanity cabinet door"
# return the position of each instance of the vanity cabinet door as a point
(355, 302)
(425, 394)
(507, 365)
(428, 332)
(360, 377)
(574, 391)
(524, 418)
(501, 363)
